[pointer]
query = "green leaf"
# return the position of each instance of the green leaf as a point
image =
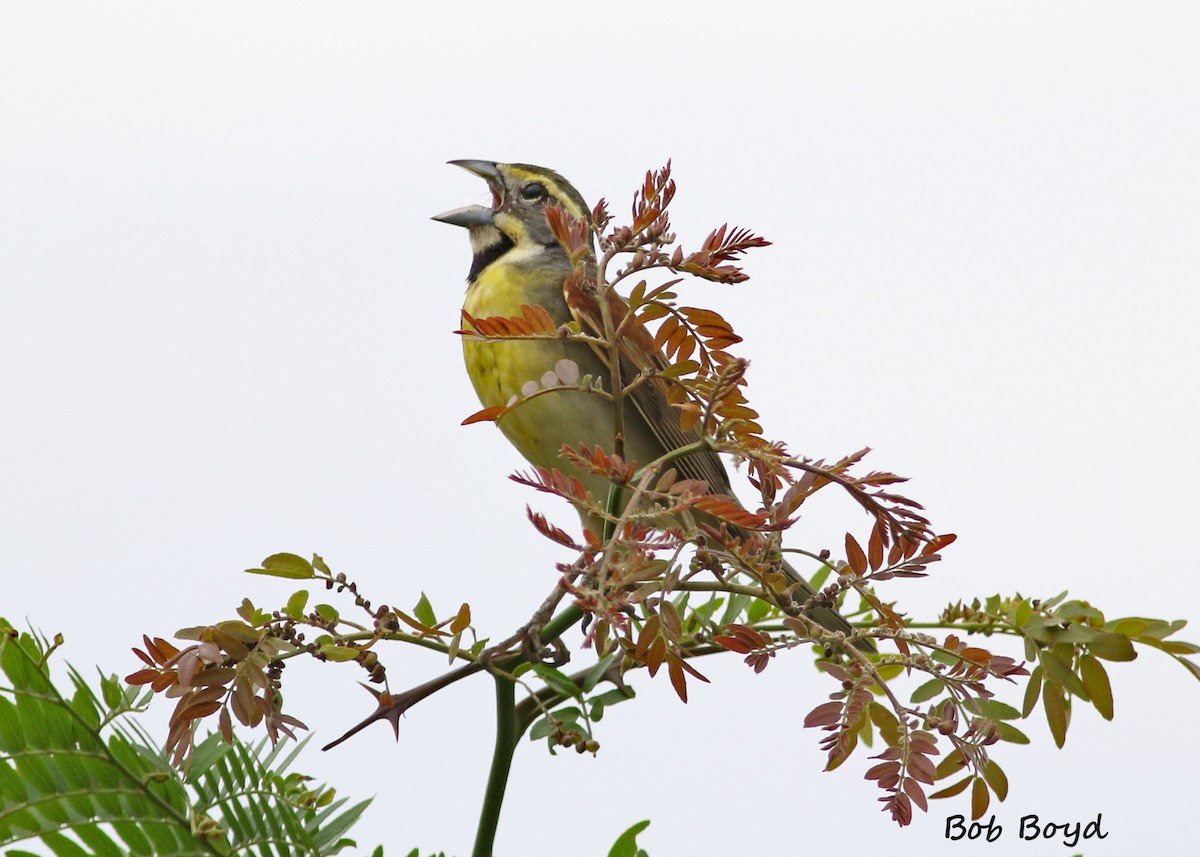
(1178, 647)
(1130, 626)
(734, 609)
(568, 714)
(1095, 679)
(1112, 647)
(948, 659)
(951, 791)
(612, 697)
(1075, 610)
(818, 579)
(339, 654)
(1011, 734)
(541, 729)
(626, 844)
(557, 681)
(757, 611)
(1031, 649)
(928, 690)
(424, 612)
(1190, 666)
(62, 846)
(295, 604)
(1160, 629)
(996, 779)
(1050, 602)
(866, 732)
(1060, 674)
(110, 690)
(979, 799)
(1055, 704)
(952, 763)
(597, 672)
(705, 611)
(996, 710)
(286, 565)
(887, 672)
(885, 721)
(1051, 631)
(1032, 691)
(1022, 613)
(327, 612)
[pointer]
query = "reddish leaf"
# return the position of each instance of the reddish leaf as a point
(825, 714)
(881, 770)
(937, 543)
(141, 677)
(901, 808)
(671, 623)
(875, 547)
(196, 712)
(462, 621)
(486, 415)
(162, 681)
(976, 655)
(647, 637)
(855, 556)
(913, 789)
(731, 643)
(678, 679)
(550, 531)
(655, 655)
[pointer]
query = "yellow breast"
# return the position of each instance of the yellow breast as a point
(502, 371)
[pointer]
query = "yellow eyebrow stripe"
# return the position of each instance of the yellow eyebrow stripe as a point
(553, 185)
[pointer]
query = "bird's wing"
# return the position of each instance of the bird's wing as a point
(638, 352)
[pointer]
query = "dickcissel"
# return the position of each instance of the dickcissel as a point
(518, 262)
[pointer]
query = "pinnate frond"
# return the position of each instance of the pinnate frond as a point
(78, 774)
(533, 321)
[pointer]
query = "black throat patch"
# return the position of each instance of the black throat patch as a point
(488, 255)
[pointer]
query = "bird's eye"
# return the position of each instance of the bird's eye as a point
(533, 191)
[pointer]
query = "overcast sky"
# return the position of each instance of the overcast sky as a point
(225, 331)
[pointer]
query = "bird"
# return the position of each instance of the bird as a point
(518, 262)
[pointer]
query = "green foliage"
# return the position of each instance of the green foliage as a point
(626, 844)
(79, 774)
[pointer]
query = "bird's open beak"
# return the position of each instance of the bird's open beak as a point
(484, 169)
(476, 215)
(470, 215)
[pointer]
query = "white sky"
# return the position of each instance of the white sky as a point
(216, 265)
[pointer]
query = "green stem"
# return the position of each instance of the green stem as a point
(559, 625)
(507, 735)
(509, 729)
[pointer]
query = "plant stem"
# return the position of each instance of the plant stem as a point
(507, 735)
(509, 729)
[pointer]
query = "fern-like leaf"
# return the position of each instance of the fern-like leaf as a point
(78, 774)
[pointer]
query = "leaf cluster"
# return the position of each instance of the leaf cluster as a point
(671, 567)
(78, 774)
